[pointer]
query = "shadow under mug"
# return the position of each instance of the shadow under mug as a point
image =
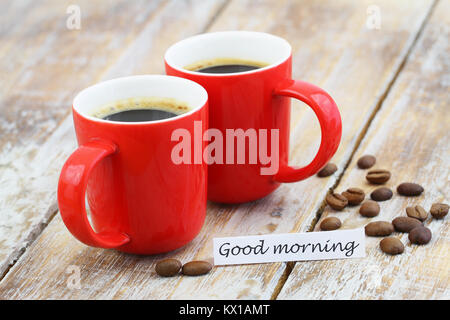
(140, 201)
(255, 100)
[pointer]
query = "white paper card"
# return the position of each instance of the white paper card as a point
(343, 244)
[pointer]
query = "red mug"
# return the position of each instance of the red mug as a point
(140, 200)
(255, 100)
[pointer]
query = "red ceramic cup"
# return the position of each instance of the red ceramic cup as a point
(140, 200)
(256, 100)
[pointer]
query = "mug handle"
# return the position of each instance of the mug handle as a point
(329, 117)
(71, 194)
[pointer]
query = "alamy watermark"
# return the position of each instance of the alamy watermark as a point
(373, 20)
(73, 21)
(235, 144)
(74, 279)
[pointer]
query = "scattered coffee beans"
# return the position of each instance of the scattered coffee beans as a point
(378, 176)
(196, 268)
(439, 210)
(366, 162)
(336, 201)
(405, 224)
(379, 229)
(354, 196)
(330, 223)
(381, 194)
(369, 209)
(168, 267)
(420, 235)
(409, 189)
(392, 246)
(328, 170)
(412, 224)
(417, 212)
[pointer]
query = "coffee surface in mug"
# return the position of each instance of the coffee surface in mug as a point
(225, 65)
(139, 115)
(141, 109)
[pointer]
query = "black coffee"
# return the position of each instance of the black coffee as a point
(140, 115)
(228, 68)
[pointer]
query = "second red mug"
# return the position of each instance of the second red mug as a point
(253, 107)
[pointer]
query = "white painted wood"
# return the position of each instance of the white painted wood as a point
(409, 137)
(43, 65)
(332, 48)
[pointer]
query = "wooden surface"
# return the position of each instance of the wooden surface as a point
(391, 85)
(410, 135)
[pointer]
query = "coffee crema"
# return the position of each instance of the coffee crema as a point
(225, 65)
(141, 109)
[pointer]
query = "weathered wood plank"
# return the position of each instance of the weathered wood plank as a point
(46, 64)
(333, 48)
(410, 137)
(40, 58)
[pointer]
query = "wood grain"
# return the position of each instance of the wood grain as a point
(43, 65)
(410, 137)
(332, 48)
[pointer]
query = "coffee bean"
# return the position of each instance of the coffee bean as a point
(354, 196)
(369, 209)
(168, 267)
(439, 210)
(392, 246)
(196, 268)
(409, 189)
(378, 176)
(336, 201)
(420, 235)
(330, 223)
(366, 162)
(405, 224)
(379, 228)
(417, 212)
(381, 194)
(328, 170)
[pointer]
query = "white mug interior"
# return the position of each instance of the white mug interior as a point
(192, 95)
(242, 45)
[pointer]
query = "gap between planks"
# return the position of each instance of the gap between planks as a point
(34, 234)
(216, 16)
(53, 208)
(290, 265)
